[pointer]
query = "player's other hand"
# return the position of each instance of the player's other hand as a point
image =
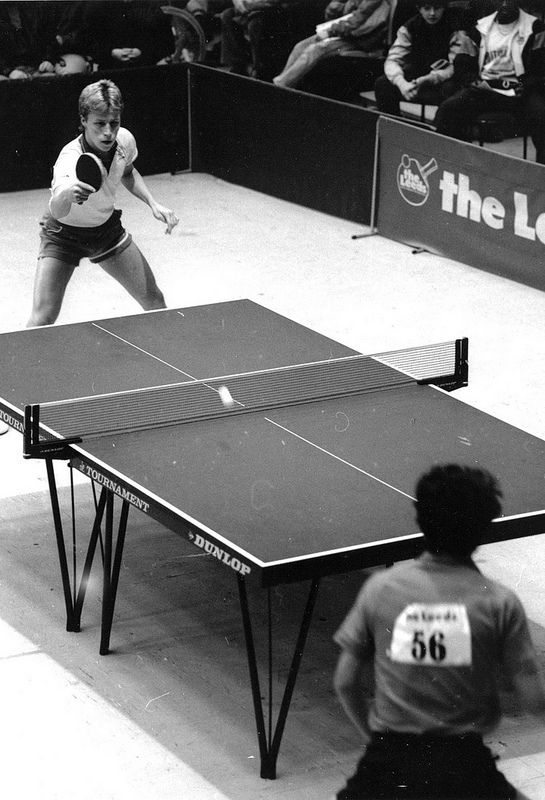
(167, 216)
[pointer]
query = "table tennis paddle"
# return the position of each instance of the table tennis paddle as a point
(89, 170)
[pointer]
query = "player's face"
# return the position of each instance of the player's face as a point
(100, 129)
(432, 13)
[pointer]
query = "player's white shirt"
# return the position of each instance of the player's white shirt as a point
(98, 208)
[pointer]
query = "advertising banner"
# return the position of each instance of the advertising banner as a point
(462, 201)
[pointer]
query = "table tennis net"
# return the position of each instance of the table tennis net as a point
(195, 400)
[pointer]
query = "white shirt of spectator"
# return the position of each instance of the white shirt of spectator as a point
(432, 634)
(498, 60)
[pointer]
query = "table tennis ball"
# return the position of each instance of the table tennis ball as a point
(226, 397)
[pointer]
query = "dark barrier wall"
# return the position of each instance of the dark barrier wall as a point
(300, 148)
(38, 117)
(462, 201)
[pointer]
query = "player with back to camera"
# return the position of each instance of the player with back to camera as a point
(437, 636)
(84, 223)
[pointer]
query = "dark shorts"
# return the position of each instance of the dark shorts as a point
(410, 767)
(69, 244)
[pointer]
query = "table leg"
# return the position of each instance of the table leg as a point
(112, 567)
(269, 744)
(74, 594)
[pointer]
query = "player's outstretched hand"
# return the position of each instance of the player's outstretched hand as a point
(165, 215)
(80, 191)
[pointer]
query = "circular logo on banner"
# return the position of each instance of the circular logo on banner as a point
(412, 180)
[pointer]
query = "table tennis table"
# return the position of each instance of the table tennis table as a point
(309, 473)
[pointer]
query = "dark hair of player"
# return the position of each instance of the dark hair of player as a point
(454, 506)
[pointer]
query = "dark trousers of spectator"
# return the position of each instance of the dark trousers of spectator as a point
(389, 97)
(207, 12)
(456, 115)
(257, 43)
(411, 767)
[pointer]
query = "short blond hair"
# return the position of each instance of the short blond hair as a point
(100, 97)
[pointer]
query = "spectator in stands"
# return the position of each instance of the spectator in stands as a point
(207, 12)
(420, 63)
(362, 26)
(439, 639)
(504, 71)
(73, 48)
(43, 38)
(25, 30)
(129, 33)
(256, 36)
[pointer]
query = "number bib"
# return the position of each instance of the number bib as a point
(432, 634)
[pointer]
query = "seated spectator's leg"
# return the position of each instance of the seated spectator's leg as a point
(271, 38)
(305, 55)
(434, 95)
(256, 31)
(387, 95)
(205, 11)
(534, 110)
(234, 47)
(456, 114)
(297, 51)
(8, 52)
(446, 89)
(208, 7)
(197, 7)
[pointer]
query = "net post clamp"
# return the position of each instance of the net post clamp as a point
(33, 447)
(459, 378)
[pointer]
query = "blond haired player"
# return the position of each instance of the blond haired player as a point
(84, 223)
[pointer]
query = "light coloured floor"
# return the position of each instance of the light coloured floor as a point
(168, 713)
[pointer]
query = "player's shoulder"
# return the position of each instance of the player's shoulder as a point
(385, 578)
(502, 595)
(73, 147)
(126, 144)
(125, 138)
(66, 160)
(410, 574)
(124, 135)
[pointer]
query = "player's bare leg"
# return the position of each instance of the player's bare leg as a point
(50, 284)
(133, 272)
